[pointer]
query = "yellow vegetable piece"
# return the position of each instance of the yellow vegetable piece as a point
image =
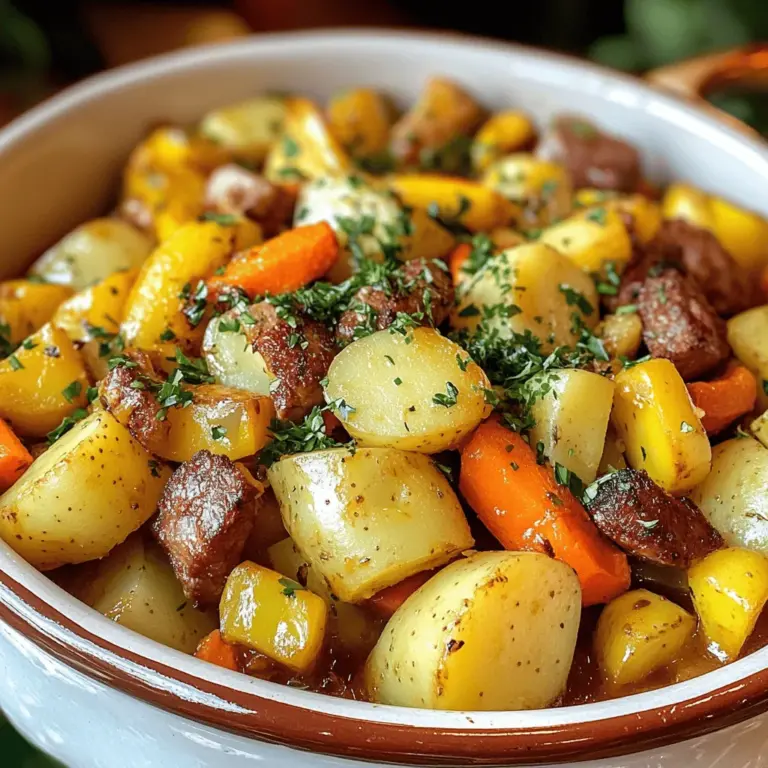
(360, 118)
(182, 203)
(429, 240)
(42, 383)
(97, 310)
(646, 213)
(354, 627)
(591, 238)
(26, 305)
(501, 134)
(748, 338)
(248, 128)
(273, 615)
(482, 208)
(82, 496)
(172, 148)
(541, 284)
(307, 148)
(729, 589)
(638, 633)
(654, 416)
(621, 334)
(153, 306)
(540, 191)
(742, 233)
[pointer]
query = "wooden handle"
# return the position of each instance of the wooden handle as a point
(695, 79)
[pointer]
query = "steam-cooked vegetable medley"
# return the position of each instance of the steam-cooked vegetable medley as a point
(435, 408)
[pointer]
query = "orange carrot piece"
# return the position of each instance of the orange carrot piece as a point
(524, 507)
(215, 649)
(456, 260)
(724, 399)
(283, 264)
(14, 457)
(386, 602)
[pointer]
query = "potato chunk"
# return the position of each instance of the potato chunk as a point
(655, 418)
(572, 419)
(502, 133)
(418, 392)
(368, 520)
(273, 615)
(733, 497)
(476, 636)
(26, 305)
(92, 252)
(360, 118)
(83, 496)
(42, 383)
(541, 291)
(748, 338)
(136, 588)
(639, 633)
(730, 588)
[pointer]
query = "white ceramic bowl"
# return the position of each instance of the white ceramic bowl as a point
(95, 694)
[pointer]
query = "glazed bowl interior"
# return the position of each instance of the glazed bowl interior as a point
(60, 165)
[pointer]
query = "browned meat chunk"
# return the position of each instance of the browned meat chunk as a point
(729, 288)
(232, 189)
(680, 324)
(204, 519)
(297, 357)
(422, 289)
(593, 158)
(647, 522)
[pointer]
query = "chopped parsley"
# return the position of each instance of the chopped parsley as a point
(229, 325)
(608, 285)
(576, 298)
(154, 467)
(463, 363)
(196, 303)
(223, 219)
(598, 215)
(290, 587)
(449, 399)
(686, 427)
(67, 423)
(482, 249)
(71, 391)
(570, 480)
(398, 381)
(627, 363)
(29, 344)
(16, 364)
(627, 309)
(290, 147)
(167, 335)
(218, 432)
(92, 393)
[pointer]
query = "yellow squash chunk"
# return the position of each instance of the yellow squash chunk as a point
(494, 631)
(419, 392)
(729, 589)
(733, 496)
(135, 586)
(646, 214)
(172, 148)
(638, 633)
(621, 334)
(307, 149)
(654, 416)
(153, 306)
(97, 310)
(542, 288)
(591, 238)
(501, 134)
(354, 627)
(742, 233)
(82, 496)
(748, 338)
(368, 520)
(92, 252)
(475, 206)
(42, 383)
(248, 128)
(26, 305)
(540, 191)
(572, 417)
(273, 615)
(181, 204)
(360, 118)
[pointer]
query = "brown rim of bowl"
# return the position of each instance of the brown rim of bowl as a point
(292, 726)
(253, 715)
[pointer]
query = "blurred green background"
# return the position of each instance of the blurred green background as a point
(47, 44)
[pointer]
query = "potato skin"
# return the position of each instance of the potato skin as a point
(135, 586)
(391, 380)
(732, 496)
(476, 636)
(83, 496)
(368, 520)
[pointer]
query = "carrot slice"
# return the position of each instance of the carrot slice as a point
(524, 507)
(215, 649)
(283, 264)
(456, 260)
(386, 602)
(14, 457)
(724, 399)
